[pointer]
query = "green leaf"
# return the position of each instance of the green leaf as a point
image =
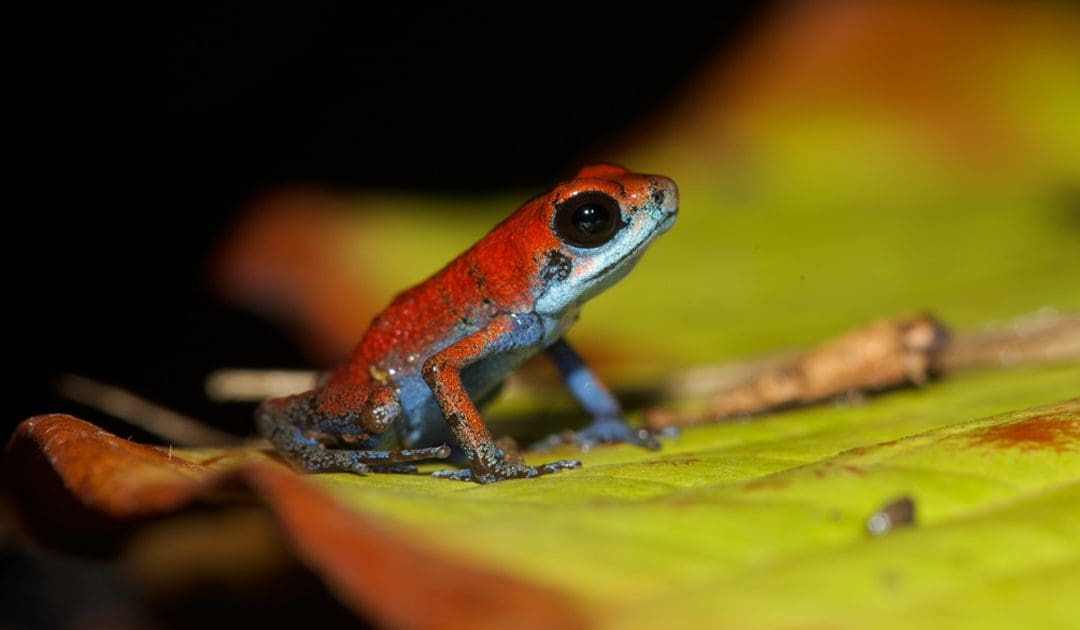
(763, 523)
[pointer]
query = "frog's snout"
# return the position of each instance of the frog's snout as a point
(664, 194)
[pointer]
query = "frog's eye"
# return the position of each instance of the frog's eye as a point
(587, 220)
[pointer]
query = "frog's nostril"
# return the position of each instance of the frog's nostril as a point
(659, 195)
(663, 191)
(664, 194)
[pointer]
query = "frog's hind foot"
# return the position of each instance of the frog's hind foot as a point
(288, 423)
(600, 431)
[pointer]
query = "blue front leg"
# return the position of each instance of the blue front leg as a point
(607, 426)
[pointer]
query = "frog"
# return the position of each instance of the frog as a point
(413, 387)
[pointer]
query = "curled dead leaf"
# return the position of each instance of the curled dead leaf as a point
(80, 487)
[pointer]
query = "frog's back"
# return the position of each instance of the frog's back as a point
(502, 272)
(419, 322)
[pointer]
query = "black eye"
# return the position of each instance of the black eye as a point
(587, 219)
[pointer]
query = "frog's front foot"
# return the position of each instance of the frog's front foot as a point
(508, 470)
(600, 431)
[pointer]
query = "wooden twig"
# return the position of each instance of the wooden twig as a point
(240, 385)
(886, 354)
(171, 426)
(1043, 336)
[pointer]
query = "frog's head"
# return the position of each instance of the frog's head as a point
(601, 221)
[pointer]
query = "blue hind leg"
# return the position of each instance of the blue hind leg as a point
(607, 426)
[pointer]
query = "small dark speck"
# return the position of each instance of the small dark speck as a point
(891, 580)
(557, 267)
(896, 513)
(1067, 201)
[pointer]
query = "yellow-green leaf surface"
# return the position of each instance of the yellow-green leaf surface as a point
(763, 523)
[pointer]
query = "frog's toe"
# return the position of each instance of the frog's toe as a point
(508, 470)
(457, 475)
(556, 466)
(513, 470)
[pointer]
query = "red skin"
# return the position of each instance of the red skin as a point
(494, 275)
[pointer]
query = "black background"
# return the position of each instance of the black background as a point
(140, 135)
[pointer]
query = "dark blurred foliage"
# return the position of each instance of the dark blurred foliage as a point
(44, 589)
(141, 133)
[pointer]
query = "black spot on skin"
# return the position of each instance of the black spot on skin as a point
(658, 196)
(454, 419)
(477, 276)
(557, 266)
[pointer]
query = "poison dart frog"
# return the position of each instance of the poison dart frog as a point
(441, 349)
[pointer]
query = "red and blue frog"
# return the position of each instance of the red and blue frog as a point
(441, 349)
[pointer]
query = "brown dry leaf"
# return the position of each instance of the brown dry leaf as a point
(81, 487)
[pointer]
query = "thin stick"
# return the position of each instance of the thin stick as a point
(1043, 336)
(883, 355)
(240, 385)
(171, 426)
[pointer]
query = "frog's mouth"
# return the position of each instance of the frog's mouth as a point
(666, 224)
(630, 258)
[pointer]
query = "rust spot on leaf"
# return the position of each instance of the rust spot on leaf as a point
(685, 461)
(762, 484)
(1038, 433)
(855, 470)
